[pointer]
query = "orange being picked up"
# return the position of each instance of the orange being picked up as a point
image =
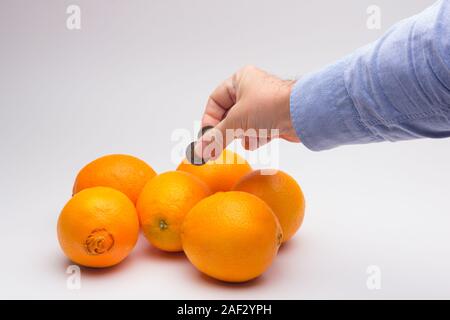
(118, 171)
(220, 174)
(163, 204)
(231, 236)
(282, 193)
(98, 227)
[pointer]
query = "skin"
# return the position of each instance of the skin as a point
(250, 100)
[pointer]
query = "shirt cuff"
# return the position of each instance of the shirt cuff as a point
(323, 112)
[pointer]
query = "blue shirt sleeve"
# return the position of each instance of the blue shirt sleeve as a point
(396, 88)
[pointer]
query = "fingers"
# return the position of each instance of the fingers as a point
(212, 143)
(219, 102)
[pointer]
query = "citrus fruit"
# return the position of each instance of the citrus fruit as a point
(220, 174)
(163, 204)
(118, 171)
(98, 227)
(231, 236)
(282, 193)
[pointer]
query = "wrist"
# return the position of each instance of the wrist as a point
(286, 127)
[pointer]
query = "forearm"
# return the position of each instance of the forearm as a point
(397, 88)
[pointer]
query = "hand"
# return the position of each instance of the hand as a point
(250, 105)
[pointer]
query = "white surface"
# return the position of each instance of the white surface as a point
(137, 71)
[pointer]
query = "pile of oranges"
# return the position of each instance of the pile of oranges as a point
(229, 220)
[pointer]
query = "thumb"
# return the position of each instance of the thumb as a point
(253, 143)
(215, 140)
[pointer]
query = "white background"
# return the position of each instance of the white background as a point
(137, 71)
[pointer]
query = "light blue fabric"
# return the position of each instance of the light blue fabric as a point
(396, 88)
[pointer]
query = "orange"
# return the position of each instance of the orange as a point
(163, 204)
(118, 171)
(98, 227)
(231, 236)
(282, 193)
(220, 174)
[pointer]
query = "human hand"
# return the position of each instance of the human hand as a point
(252, 105)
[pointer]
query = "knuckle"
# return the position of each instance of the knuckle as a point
(249, 68)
